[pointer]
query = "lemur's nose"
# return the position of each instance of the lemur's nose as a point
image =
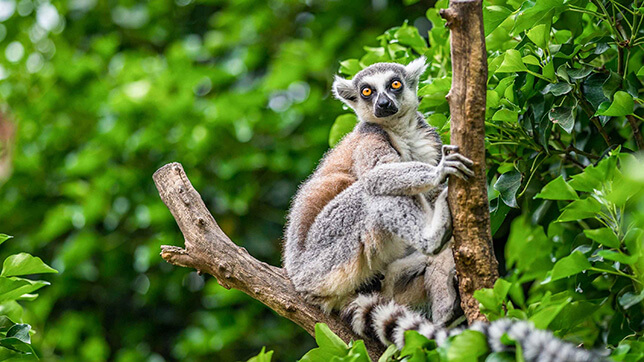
(385, 106)
(384, 102)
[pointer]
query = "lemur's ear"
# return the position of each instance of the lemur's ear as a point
(343, 90)
(414, 70)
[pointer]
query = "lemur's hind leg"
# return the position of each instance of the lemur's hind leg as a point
(442, 286)
(426, 283)
(404, 281)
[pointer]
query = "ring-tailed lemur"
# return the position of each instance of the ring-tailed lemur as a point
(374, 216)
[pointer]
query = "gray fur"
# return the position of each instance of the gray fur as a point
(392, 220)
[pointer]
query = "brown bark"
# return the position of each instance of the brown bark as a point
(476, 265)
(210, 251)
(637, 135)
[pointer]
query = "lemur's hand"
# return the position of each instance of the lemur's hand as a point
(453, 163)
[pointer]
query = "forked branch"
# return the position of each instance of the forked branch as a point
(209, 250)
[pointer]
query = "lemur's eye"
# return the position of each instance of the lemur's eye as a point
(396, 84)
(366, 92)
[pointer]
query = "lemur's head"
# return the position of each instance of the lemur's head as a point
(382, 91)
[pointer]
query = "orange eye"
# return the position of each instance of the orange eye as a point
(396, 84)
(366, 92)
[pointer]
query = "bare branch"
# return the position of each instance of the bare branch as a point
(209, 250)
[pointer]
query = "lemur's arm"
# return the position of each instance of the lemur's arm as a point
(413, 178)
(373, 150)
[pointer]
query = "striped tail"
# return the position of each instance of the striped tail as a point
(371, 316)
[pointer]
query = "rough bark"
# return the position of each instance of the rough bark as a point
(476, 265)
(209, 250)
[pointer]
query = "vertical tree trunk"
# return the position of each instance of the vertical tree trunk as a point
(476, 265)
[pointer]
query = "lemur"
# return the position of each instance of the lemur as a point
(366, 233)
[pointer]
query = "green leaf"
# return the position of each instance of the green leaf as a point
(617, 256)
(640, 73)
(18, 339)
(557, 189)
(507, 185)
(350, 67)
(5, 323)
(467, 346)
(531, 60)
(358, 352)
(573, 264)
(501, 288)
(493, 16)
(622, 105)
(593, 89)
(326, 339)
(557, 89)
(580, 209)
(408, 35)
(263, 356)
(13, 288)
(4, 237)
(24, 264)
(540, 35)
(389, 352)
(630, 299)
(604, 236)
(487, 298)
(505, 115)
(549, 71)
(564, 117)
(342, 125)
(414, 341)
(579, 73)
(500, 357)
(498, 214)
(611, 84)
(512, 62)
(21, 332)
(545, 316)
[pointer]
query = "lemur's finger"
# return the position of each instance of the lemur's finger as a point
(448, 149)
(461, 167)
(456, 172)
(461, 158)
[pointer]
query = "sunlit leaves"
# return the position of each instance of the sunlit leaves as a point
(557, 189)
(493, 16)
(604, 236)
(24, 264)
(570, 265)
(512, 62)
(621, 105)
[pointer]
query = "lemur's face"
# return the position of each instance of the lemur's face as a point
(382, 92)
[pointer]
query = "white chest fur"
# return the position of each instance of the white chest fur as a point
(414, 143)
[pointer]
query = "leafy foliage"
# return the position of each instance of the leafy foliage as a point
(15, 337)
(102, 94)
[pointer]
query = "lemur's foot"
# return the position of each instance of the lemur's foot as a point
(453, 163)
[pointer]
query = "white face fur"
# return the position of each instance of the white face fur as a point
(383, 92)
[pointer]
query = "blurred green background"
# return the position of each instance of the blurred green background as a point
(96, 95)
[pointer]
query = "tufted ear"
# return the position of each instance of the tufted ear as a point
(343, 90)
(414, 70)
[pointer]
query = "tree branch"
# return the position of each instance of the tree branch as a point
(210, 251)
(476, 265)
